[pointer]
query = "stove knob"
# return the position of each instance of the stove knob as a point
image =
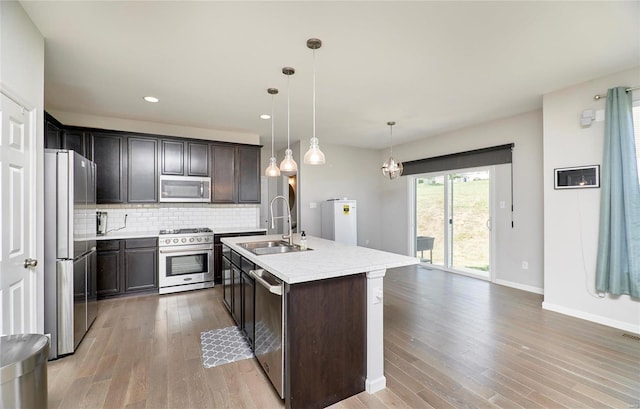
(175, 240)
(207, 238)
(184, 240)
(199, 238)
(191, 240)
(167, 241)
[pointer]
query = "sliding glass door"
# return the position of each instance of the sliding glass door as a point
(453, 220)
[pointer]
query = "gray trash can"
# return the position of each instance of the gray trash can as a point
(23, 371)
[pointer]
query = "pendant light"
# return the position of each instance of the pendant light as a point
(288, 166)
(314, 155)
(391, 168)
(272, 169)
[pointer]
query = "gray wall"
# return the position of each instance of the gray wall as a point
(350, 172)
(513, 245)
(571, 216)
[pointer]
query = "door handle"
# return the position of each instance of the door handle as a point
(489, 224)
(30, 262)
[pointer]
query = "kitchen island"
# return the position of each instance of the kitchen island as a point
(333, 317)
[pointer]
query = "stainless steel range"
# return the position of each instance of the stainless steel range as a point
(186, 259)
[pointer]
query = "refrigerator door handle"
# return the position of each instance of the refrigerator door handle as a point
(64, 272)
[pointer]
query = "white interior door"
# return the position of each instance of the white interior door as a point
(17, 223)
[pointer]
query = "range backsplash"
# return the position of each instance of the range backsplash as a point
(151, 217)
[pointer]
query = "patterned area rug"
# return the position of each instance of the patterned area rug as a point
(224, 345)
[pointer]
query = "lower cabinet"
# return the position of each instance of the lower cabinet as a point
(127, 267)
(217, 250)
(238, 288)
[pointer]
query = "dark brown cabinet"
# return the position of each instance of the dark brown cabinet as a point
(223, 159)
(109, 152)
(109, 270)
(248, 174)
(52, 132)
(172, 157)
(218, 267)
(142, 170)
(184, 158)
(77, 140)
(239, 291)
(141, 265)
(236, 174)
(127, 267)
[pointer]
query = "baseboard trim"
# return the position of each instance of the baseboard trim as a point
(519, 286)
(375, 385)
(598, 319)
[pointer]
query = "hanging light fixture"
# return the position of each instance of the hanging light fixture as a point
(272, 169)
(288, 166)
(314, 155)
(392, 168)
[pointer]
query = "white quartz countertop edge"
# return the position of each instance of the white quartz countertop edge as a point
(327, 259)
(128, 235)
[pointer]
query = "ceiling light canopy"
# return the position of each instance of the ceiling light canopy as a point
(272, 169)
(391, 168)
(265, 116)
(288, 166)
(314, 155)
(151, 99)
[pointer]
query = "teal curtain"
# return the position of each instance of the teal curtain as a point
(618, 265)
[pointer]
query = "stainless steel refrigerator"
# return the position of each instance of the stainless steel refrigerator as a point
(70, 299)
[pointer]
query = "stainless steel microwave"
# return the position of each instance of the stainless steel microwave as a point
(185, 189)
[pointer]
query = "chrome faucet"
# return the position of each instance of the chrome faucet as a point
(288, 216)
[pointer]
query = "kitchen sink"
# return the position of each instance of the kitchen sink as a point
(271, 247)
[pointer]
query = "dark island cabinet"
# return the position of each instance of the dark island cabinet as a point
(109, 153)
(142, 170)
(239, 291)
(181, 158)
(218, 255)
(127, 267)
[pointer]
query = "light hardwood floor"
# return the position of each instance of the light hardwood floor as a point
(450, 342)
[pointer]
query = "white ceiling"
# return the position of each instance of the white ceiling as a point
(430, 66)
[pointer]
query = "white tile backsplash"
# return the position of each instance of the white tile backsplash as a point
(151, 217)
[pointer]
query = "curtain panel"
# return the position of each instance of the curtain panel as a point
(618, 259)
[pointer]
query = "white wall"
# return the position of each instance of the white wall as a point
(571, 216)
(349, 172)
(523, 242)
(121, 124)
(22, 76)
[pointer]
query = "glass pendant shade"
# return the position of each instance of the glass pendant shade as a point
(288, 166)
(314, 155)
(272, 169)
(392, 169)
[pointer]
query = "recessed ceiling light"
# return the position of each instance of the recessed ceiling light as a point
(151, 99)
(265, 116)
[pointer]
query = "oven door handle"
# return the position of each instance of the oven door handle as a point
(185, 250)
(273, 289)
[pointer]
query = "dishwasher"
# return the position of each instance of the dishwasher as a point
(269, 326)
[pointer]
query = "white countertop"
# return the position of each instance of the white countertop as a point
(123, 235)
(328, 259)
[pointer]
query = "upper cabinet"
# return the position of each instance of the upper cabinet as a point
(143, 170)
(184, 158)
(248, 174)
(109, 151)
(235, 173)
(129, 165)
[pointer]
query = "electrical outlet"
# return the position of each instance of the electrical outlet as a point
(525, 265)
